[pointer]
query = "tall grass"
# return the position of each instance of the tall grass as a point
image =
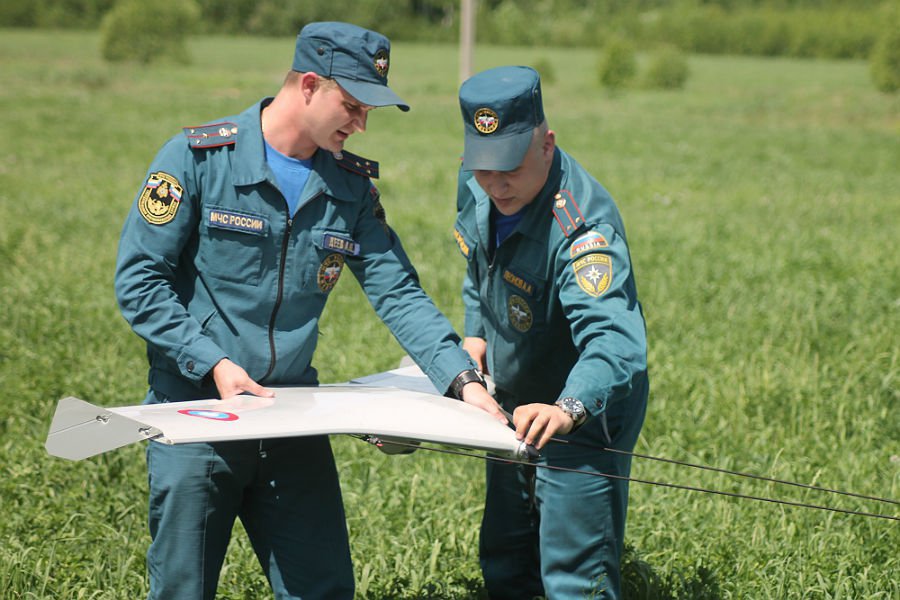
(762, 205)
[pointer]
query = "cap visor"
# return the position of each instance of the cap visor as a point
(484, 153)
(372, 94)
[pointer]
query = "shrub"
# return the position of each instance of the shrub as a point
(148, 31)
(545, 68)
(885, 61)
(667, 69)
(618, 64)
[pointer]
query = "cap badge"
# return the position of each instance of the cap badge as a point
(381, 62)
(486, 120)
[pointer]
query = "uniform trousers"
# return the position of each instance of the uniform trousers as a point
(558, 534)
(286, 493)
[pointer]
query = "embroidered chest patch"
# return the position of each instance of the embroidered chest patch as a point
(340, 244)
(330, 271)
(519, 313)
(461, 242)
(588, 242)
(518, 282)
(235, 221)
(160, 198)
(593, 273)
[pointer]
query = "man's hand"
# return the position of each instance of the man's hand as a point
(537, 423)
(477, 349)
(475, 394)
(232, 380)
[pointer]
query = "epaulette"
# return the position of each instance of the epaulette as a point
(357, 164)
(567, 213)
(212, 135)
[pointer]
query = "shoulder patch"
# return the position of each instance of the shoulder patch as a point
(594, 273)
(567, 213)
(587, 242)
(160, 198)
(357, 164)
(212, 135)
(377, 208)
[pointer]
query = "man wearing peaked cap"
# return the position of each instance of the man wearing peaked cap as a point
(552, 315)
(233, 244)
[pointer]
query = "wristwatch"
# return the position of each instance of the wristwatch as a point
(464, 378)
(574, 408)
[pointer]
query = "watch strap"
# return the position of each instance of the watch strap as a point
(460, 381)
(578, 414)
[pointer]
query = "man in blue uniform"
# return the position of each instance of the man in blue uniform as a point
(552, 314)
(234, 242)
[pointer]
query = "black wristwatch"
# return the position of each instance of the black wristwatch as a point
(575, 409)
(464, 378)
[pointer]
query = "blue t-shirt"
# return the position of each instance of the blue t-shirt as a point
(505, 224)
(290, 174)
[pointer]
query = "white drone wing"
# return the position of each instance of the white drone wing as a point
(396, 405)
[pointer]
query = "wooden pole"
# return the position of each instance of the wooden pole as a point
(466, 38)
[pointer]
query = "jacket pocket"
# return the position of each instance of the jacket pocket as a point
(231, 244)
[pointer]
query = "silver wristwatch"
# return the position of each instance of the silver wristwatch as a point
(574, 408)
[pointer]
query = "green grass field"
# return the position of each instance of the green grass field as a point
(762, 204)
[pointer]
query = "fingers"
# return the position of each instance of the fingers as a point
(475, 394)
(231, 380)
(536, 424)
(254, 388)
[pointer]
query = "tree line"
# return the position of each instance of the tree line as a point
(802, 28)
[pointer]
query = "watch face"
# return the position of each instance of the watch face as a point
(573, 407)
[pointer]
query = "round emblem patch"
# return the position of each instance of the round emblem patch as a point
(330, 271)
(486, 120)
(381, 62)
(160, 199)
(593, 273)
(519, 313)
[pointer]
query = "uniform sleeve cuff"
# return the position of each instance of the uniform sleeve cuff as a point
(197, 361)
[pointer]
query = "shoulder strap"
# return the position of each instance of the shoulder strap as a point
(567, 213)
(357, 164)
(212, 135)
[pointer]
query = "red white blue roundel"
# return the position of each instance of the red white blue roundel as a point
(215, 415)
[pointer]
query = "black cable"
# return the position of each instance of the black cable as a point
(376, 441)
(715, 469)
(727, 471)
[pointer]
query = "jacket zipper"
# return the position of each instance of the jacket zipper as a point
(278, 298)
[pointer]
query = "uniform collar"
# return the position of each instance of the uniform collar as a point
(327, 177)
(540, 210)
(249, 166)
(249, 161)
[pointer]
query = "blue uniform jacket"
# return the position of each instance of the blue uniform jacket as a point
(557, 301)
(211, 265)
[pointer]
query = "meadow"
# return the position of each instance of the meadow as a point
(762, 204)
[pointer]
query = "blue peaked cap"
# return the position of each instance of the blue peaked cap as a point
(500, 109)
(358, 59)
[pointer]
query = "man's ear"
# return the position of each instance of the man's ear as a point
(309, 83)
(549, 144)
